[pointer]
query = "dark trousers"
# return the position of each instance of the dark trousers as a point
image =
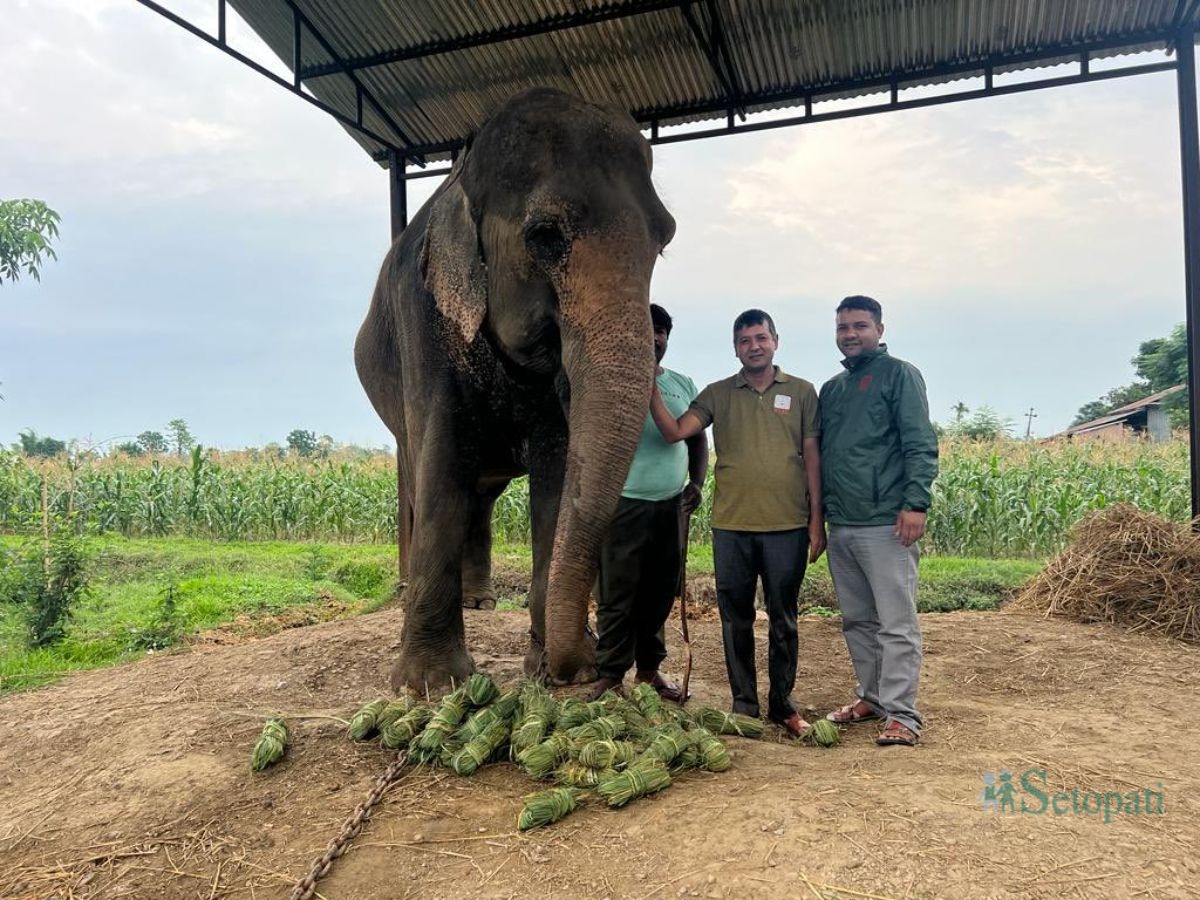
(635, 587)
(740, 558)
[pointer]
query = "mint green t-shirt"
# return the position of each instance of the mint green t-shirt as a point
(659, 469)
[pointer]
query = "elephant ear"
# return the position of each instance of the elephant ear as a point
(454, 270)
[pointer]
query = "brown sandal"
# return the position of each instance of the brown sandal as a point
(895, 733)
(602, 686)
(668, 691)
(853, 713)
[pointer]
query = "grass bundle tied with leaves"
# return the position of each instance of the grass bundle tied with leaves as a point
(271, 746)
(1124, 567)
(612, 749)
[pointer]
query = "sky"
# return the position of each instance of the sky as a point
(220, 239)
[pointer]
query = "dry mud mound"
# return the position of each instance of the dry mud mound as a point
(135, 781)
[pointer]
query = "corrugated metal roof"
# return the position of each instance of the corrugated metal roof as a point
(644, 56)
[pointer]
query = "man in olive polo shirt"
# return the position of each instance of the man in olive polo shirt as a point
(767, 518)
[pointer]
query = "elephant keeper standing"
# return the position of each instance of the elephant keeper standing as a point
(768, 504)
(640, 559)
(880, 457)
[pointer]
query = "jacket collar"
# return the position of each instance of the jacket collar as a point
(852, 363)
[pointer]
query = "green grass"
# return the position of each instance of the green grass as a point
(212, 584)
(946, 583)
(260, 587)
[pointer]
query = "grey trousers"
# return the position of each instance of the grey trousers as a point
(875, 579)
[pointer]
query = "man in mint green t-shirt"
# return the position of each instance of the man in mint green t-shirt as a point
(640, 561)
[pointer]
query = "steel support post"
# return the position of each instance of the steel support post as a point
(1189, 161)
(404, 507)
(399, 193)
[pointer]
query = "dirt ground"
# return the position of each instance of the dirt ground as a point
(134, 781)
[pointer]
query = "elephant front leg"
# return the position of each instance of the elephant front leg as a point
(433, 651)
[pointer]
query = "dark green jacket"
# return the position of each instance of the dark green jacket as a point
(878, 449)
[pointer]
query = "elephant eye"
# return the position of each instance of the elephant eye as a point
(546, 241)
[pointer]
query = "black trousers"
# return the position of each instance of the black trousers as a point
(740, 558)
(635, 587)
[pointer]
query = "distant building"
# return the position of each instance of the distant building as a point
(1143, 418)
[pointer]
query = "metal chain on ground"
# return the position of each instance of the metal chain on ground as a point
(307, 885)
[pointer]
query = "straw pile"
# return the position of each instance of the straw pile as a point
(1124, 567)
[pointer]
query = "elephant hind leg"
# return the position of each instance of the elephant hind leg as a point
(478, 590)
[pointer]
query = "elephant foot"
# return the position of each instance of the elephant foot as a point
(535, 659)
(577, 666)
(430, 673)
(482, 599)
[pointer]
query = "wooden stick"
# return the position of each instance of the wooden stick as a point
(685, 520)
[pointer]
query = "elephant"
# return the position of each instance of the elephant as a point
(509, 333)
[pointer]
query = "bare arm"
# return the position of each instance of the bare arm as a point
(693, 495)
(816, 511)
(673, 430)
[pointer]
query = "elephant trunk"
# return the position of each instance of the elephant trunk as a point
(608, 357)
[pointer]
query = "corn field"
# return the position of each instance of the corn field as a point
(1005, 499)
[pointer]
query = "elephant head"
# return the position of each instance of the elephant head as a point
(543, 241)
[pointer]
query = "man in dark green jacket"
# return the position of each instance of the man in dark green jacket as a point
(878, 461)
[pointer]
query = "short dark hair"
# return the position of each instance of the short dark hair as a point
(867, 304)
(660, 318)
(754, 317)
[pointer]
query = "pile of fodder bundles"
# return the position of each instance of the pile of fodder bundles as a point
(1125, 567)
(613, 750)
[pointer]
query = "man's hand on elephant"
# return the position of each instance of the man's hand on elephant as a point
(816, 539)
(910, 525)
(691, 498)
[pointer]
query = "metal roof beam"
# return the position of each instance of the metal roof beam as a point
(891, 105)
(605, 13)
(361, 92)
(884, 82)
(716, 51)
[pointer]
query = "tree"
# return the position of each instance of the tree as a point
(985, 424)
(1160, 363)
(152, 442)
(33, 445)
(302, 442)
(26, 229)
(180, 436)
(130, 448)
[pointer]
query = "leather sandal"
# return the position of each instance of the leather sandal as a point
(895, 733)
(853, 713)
(792, 724)
(603, 685)
(668, 691)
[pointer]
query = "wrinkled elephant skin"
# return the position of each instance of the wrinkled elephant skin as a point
(509, 333)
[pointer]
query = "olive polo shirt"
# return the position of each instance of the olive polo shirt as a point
(759, 445)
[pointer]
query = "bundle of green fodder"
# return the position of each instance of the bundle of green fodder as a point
(1125, 567)
(612, 750)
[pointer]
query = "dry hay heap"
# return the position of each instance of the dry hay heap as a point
(1125, 567)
